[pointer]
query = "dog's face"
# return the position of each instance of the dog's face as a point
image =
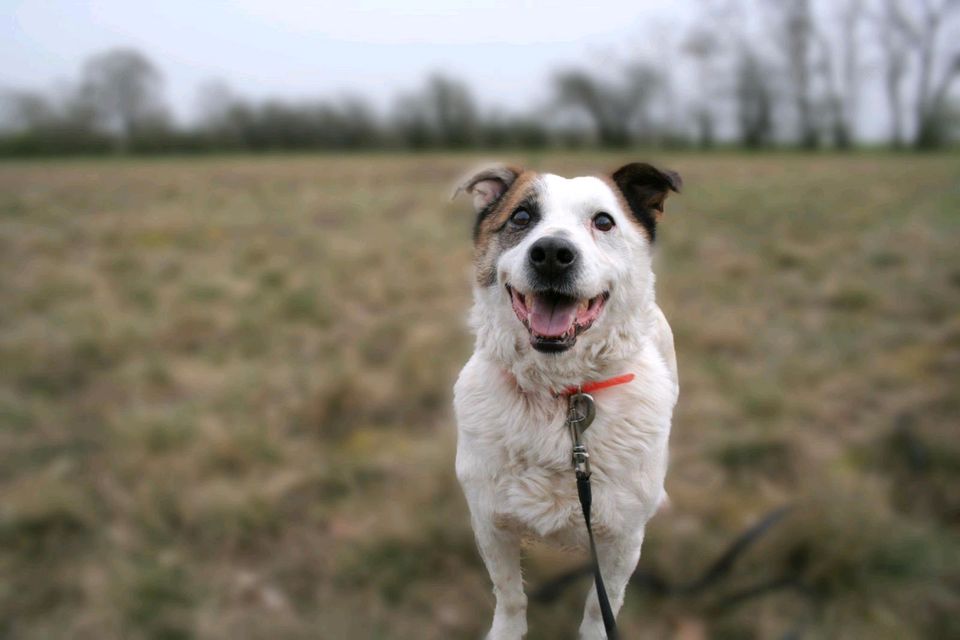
(564, 255)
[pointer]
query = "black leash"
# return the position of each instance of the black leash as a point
(609, 622)
(580, 414)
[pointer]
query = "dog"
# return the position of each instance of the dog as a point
(563, 295)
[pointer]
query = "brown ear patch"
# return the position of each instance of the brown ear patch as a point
(644, 189)
(487, 243)
(488, 185)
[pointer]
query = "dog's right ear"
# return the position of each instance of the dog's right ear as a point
(488, 185)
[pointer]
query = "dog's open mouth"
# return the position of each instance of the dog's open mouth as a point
(553, 319)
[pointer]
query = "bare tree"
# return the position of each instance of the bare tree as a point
(894, 48)
(411, 122)
(839, 64)
(222, 116)
(443, 113)
(754, 99)
(452, 109)
(795, 35)
(643, 85)
(214, 100)
(615, 108)
(919, 30)
(703, 46)
(125, 89)
(603, 103)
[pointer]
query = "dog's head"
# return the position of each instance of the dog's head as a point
(564, 255)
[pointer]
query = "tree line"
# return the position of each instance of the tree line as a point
(750, 73)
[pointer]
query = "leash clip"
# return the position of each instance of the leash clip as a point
(581, 411)
(581, 461)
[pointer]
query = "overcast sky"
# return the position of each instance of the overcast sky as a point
(506, 51)
(286, 48)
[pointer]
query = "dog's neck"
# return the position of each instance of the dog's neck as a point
(596, 356)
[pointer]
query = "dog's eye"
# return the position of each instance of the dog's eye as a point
(520, 218)
(603, 222)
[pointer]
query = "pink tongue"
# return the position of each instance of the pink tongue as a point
(552, 318)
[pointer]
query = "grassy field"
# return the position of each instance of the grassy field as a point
(225, 389)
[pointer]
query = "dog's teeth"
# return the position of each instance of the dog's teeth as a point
(528, 300)
(583, 305)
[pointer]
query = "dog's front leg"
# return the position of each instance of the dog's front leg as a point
(618, 559)
(501, 554)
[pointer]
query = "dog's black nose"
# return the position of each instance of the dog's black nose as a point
(552, 257)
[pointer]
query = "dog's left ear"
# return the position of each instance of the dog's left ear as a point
(645, 188)
(488, 185)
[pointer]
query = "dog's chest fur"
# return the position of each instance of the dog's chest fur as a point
(514, 450)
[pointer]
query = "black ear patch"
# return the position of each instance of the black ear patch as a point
(645, 188)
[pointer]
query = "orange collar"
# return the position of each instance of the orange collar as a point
(590, 387)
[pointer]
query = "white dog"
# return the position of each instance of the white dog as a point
(564, 296)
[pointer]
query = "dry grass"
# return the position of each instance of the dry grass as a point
(225, 384)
